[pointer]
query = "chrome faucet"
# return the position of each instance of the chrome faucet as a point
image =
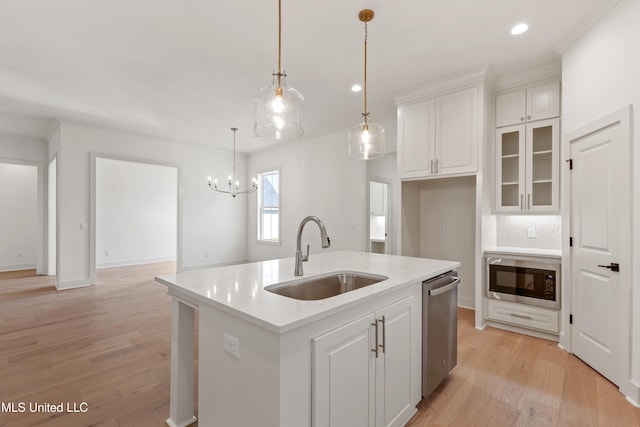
(323, 235)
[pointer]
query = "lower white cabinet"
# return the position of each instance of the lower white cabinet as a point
(527, 316)
(362, 370)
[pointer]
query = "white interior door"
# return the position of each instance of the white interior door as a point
(600, 227)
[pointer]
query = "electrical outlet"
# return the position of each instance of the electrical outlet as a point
(446, 229)
(107, 252)
(531, 232)
(232, 345)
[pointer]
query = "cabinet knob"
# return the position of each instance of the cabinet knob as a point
(522, 119)
(528, 117)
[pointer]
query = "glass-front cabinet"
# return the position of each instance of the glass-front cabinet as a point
(527, 167)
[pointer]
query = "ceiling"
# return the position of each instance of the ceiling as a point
(189, 69)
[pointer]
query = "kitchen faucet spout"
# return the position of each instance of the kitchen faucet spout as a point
(326, 242)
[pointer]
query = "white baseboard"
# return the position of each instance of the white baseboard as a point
(16, 267)
(72, 284)
(127, 262)
(467, 302)
(214, 264)
(631, 391)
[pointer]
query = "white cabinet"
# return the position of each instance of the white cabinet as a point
(527, 167)
(528, 316)
(362, 371)
(440, 135)
(535, 103)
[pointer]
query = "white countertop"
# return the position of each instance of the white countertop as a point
(239, 289)
(508, 250)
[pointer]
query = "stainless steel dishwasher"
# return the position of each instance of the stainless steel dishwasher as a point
(439, 329)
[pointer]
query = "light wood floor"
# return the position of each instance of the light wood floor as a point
(109, 346)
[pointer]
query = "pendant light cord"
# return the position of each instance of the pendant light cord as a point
(279, 39)
(365, 114)
(234, 152)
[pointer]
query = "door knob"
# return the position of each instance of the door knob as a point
(613, 266)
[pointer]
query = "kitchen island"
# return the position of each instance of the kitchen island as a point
(270, 360)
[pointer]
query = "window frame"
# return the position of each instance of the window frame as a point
(260, 207)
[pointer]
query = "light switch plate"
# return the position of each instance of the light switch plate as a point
(232, 345)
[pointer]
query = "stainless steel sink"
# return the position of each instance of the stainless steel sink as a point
(329, 285)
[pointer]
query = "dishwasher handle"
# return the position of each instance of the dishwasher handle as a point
(444, 289)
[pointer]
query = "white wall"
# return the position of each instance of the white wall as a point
(513, 231)
(18, 216)
(210, 223)
(448, 228)
(136, 213)
(600, 75)
(317, 178)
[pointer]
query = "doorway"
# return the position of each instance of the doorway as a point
(379, 217)
(136, 211)
(52, 218)
(19, 216)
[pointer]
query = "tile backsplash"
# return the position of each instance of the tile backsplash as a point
(514, 230)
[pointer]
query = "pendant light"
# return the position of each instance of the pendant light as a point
(366, 139)
(278, 107)
(234, 185)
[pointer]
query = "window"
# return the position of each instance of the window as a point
(269, 207)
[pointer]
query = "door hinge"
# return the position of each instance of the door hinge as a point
(570, 161)
(570, 241)
(571, 319)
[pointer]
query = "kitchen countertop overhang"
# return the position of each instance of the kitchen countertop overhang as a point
(240, 289)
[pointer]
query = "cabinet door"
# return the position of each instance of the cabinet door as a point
(542, 169)
(510, 108)
(457, 135)
(543, 102)
(393, 367)
(416, 134)
(510, 169)
(343, 376)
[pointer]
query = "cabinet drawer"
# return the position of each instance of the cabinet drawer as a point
(524, 315)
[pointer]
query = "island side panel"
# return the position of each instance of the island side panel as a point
(237, 392)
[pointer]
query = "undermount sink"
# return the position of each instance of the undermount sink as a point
(329, 285)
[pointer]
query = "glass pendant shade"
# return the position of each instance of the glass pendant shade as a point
(366, 141)
(278, 110)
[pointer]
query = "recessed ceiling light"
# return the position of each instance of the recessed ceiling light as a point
(356, 88)
(519, 29)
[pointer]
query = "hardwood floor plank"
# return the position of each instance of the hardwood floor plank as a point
(109, 346)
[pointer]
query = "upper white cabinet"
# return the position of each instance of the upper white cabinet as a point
(362, 371)
(527, 167)
(526, 105)
(439, 135)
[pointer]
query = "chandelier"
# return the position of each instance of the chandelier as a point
(234, 185)
(366, 139)
(278, 107)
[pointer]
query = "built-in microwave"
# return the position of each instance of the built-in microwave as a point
(525, 281)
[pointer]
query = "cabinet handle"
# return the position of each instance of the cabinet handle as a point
(521, 316)
(375, 350)
(521, 197)
(431, 167)
(528, 201)
(436, 166)
(384, 329)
